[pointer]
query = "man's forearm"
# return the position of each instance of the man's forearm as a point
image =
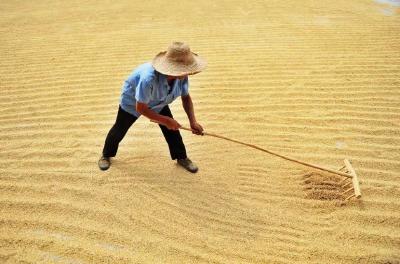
(150, 114)
(188, 106)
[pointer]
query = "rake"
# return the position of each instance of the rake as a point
(350, 178)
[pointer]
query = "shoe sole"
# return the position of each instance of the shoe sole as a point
(192, 171)
(104, 168)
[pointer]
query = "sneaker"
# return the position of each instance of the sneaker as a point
(104, 163)
(188, 165)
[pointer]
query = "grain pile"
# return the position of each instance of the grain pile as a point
(315, 80)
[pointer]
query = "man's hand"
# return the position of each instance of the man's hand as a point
(172, 124)
(169, 122)
(188, 106)
(196, 128)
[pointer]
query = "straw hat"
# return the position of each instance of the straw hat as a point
(178, 60)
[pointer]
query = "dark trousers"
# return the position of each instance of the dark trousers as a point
(125, 120)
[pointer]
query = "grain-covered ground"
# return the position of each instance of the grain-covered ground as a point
(315, 80)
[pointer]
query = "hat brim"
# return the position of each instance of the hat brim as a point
(168, 67)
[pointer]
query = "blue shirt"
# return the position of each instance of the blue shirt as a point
(148, 86)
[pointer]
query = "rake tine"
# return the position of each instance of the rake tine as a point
(351, 196)
(347, 184)
(348, 190)
(344, 167)
(342, 181)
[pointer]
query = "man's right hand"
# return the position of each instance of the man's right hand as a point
(169, 122)
(172, 124)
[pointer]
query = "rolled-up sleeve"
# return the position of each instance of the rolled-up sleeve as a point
(143, 91)
(185, 87)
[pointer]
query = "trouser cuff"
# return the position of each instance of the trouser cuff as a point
(178, 156)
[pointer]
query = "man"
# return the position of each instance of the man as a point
(148, 91)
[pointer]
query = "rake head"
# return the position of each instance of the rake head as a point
(342, 185)
(352, 184)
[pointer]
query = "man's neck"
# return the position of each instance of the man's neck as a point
(170, 80)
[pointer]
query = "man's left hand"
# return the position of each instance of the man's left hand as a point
(196, 128)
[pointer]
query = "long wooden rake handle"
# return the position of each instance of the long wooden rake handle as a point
(275, 154)
(272, 153)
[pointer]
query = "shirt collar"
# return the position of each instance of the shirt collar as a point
(164, 81)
